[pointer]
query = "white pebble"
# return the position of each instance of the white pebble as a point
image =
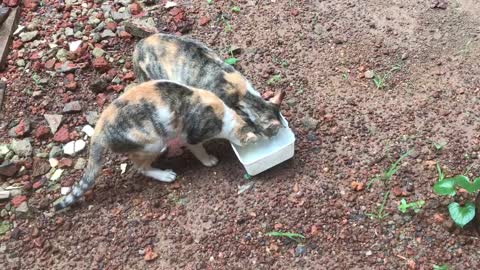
(53, 162)
(74, 45)
(74, 147)
(123, 167)
(65, 190)
(88, 130)
(56, 175)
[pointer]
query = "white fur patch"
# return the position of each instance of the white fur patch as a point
(252, 90)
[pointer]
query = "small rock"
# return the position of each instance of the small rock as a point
(100, 85)
(22, 209)
(71, 86)
(22, 148)
(107, 33)
(73, 106)
(65, 190)
(42, 132)
(80, 164)
(17, 200)
(4, 194)
(204, 20)
(54, 121)
(28, 36)
(300, 250)
(56, 151)
(170, 4)
(40, 167)
(101, 64)
(62, 135)
(74, 45)
(69, 32)
(141, 28)
(56, 175)
(74, 147)
(135, 9)
(8, 168)
(439, 218)
(88, 130)
(310, 123)
(62, 55)
(98, 52)
(21, 129)
(440, 4)
(358, 186)
(53, 162)
(65, 163)
(120, 16)
(397, 191)
(92, 117)
(369, 74)
(21, 63)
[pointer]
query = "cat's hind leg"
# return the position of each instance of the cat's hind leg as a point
(201, 154)
(143, 162)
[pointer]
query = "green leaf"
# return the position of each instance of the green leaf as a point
(440, 267)
(445, 187)
(236, 9)
(403, 207)
(461, 215)
(274, 79)
(209, 2)
(232, 60)
(465, 183)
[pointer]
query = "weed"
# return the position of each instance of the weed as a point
(210, 2)
(380, 80)
(416, 206)
(236, 9)
(281, 62)
(293, 236)
(387, 175)
(274, 79)
(36, 79)
(439, 145)
(380, 214)
(440, 267)
(441, 176)
(461, 215)
(232, 60)
(228, 26)
(345, 76)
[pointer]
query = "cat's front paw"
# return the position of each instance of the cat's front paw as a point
(210, 161)
(250, 138)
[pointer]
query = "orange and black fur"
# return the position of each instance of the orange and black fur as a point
(189, 62)
(143, 120)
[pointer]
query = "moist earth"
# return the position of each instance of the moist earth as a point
(366, 81)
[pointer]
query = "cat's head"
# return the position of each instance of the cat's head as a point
(264, 114)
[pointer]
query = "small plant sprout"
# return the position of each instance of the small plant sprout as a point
(379, 80)
(232, 60)
(282, 62)
(439, 145)
(210, 2)
(387, 175)
(274, 79)
(440, 267)
(460, 214)
(345, 76)
(236, 9)
(228, 26)
(293, 236)
(416, 206)
(380, 214)
(441, 176)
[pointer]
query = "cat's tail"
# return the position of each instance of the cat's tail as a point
(95, 162)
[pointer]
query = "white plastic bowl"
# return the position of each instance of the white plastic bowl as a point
(267, 153)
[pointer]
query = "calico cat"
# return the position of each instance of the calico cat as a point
(189, 62)
(143, 120)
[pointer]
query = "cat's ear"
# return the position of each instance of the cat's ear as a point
(278, 97)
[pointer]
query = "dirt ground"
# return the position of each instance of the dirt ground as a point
(347, 130)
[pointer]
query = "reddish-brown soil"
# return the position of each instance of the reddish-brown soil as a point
(201, 222)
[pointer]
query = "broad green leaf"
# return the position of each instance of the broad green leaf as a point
(232, 60)
(461, 215)
(445, 187)
(465, 183)
(440, 267)
(236, 9)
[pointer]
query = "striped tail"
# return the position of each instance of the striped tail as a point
(95, 161)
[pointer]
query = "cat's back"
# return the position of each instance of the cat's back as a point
(180, 59)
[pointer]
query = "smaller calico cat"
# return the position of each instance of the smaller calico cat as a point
(143, 120)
